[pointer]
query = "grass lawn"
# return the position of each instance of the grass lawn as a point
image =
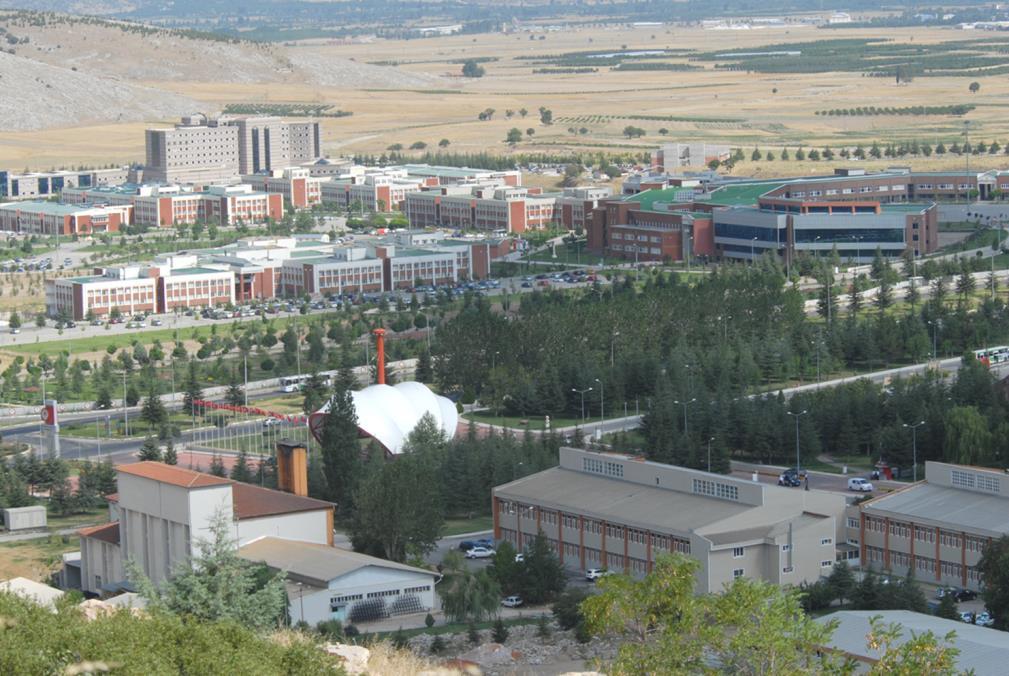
(534, 422)
(99, 515)
(35, 559)
(569, 256)
(460, 526)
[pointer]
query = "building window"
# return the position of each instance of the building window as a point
(852, 523)
(787, 569)
(786, 548)
(716, 489)
(737, 552)
(826, 564)
(826, 541)
(738, 572)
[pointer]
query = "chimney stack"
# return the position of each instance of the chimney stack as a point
(292, 467)
(380, 354)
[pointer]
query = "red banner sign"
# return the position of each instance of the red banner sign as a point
(251, 410)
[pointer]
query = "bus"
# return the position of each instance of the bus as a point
(992, 356)
(293, 383)
(297, 383)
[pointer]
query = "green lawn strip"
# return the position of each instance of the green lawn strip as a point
(473, 525)
(57, 523)
(536, 422)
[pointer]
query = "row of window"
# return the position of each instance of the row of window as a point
(717, 489)
(604, 467)
(974, 481)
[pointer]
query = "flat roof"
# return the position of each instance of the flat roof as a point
(623, 501)
(315, 562)
(745, 193)
(982, 650)
(47, 207)
(648, 198)
(194, 271)
(908, 207)
(969, 510)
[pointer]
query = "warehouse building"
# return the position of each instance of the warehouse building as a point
(49, 218)
(328, 583)
(620, 512)
(935, 529)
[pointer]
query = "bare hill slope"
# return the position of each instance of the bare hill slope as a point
(36, 96)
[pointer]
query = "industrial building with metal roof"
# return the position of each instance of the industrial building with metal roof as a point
(620, 512)
(935, 529)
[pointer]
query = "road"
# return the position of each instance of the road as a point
(822, 481)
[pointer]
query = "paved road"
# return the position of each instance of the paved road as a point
(823, 481)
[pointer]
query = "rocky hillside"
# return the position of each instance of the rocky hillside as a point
(38, 96)
(58, 70)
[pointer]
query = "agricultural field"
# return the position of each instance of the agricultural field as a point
(772, 88)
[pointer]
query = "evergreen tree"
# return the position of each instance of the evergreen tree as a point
(192, 390)
(153, 412)
(103, 399)
(543, 577)
(315, 393)
(170, 457)
(424, 372)
(341, 453)
(241, 471)
(500, 631)
(235, 395)
(947, 607)
(217, 466)
(149, 450)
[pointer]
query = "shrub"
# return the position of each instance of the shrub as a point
(331, 629)
(472, 635)
(437, 645)
(500, 631)
(567, 608)
(429, 621)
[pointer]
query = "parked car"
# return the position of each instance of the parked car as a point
(270, 422)
(789, 479)
(480, 553)
(984, 619)
(942, 591)
(96, 322)
(155, 322)
(520, 557)
(512, 602)
(466, 545)
(593, 574)
(15, 330)
(964, 595)
(485, 542)
(967, 617)
(859, 484)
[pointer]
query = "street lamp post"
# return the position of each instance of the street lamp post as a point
(752, 257)
(126, 410)
(935, 334)
(582, 392)
(914, 446)
(684, 404)
(602, 400)
(613, 340)
(710, 439)
(797, 416)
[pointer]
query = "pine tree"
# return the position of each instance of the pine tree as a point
(153, 412)
(424, 372)
(314, 392)
(149, 450)
(341, 455)
(500, 631)
(170, 457)
(193, 391)
(241, 472)
(235, 394)
(103, 399)
(217, 466)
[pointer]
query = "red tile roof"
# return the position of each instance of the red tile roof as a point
(107, 532)
(171, 474)
(252, 502)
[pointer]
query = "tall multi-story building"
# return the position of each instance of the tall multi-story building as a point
(673, 156)
(208, 150)
(613, 511)
(294, 184)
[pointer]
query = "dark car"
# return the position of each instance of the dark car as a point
(486, 542)
(466, 545)
(789, 479)
(964, 595)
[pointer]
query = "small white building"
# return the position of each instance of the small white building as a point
(328, 583)
(36, 592)
(25, 518)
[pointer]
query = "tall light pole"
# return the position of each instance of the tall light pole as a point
(752, 257)
(684, 404)
(126, 410)
(602, 400)
(797, 416)
(914, 446)
(613, 340)
(245, 366)
(935, 333)
(582, 392)
(710, 439)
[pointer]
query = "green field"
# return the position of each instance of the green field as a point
(460, 526)
(537, 422)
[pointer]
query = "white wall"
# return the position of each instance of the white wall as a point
(302, 526)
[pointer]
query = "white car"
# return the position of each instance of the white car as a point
(593, 574)
(520, 557)
(860, 484)
(270, 422)
(512, 602)
(479, 553)
(984, 619)
(967, 617)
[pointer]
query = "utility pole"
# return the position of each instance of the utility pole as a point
(582, 392)
(684, 404)
(914, 446)
(602, 400)
(126, 410)
(797, 416)
(710, 439)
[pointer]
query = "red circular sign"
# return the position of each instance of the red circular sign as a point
(47, 415)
